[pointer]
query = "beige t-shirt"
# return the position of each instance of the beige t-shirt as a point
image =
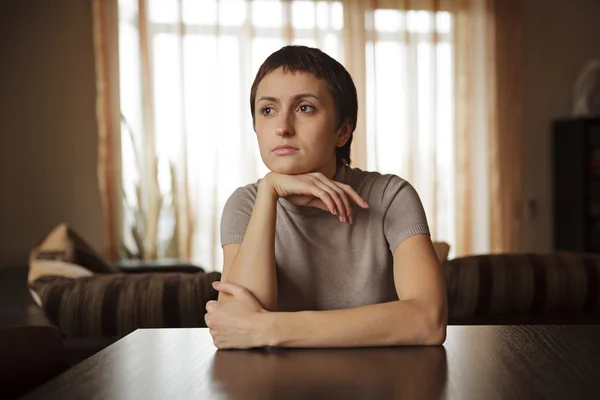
(324, 264)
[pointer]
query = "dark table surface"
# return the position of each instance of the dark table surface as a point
(475, 362)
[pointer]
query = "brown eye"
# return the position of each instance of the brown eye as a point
(305, 108)
(266, 111)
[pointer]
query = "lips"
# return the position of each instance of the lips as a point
(284, 150)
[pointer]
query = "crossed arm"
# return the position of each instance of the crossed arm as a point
(245, 315)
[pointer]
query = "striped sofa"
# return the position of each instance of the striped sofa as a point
(85, 296)
(486, 289)
(557, 288)
(113, 305)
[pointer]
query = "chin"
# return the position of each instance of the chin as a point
(287, 166)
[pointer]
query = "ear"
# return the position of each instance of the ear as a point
(343, 134)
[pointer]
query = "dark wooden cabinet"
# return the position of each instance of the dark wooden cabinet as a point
(576, 184)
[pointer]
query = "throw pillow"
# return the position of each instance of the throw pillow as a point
(63, 244)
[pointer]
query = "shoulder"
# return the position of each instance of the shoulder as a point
(246, 192)
(396, 188)
(383, 188)
(242, 198)
(236, 213)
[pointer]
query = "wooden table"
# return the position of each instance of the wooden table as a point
(476, 362)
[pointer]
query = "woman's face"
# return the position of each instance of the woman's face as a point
(295, 123)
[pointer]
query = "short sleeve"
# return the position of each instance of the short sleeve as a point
(404, 215)
(236, 215)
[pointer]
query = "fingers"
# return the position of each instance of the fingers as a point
(341, 193)
(340, 198)
(353, 195)
(346, 188)
(321, 192)
(230, 288)
(341, 205)
(210, 305)
(349, 190)
(316, 190)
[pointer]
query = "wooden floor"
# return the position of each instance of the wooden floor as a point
(17, 308)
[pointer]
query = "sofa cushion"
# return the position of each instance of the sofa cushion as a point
(487, 285)
(117, 304)
(41, 268)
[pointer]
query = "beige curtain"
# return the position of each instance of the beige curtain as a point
(489, 125)
(507, 125)
(441, 94)
(105, 34)
(402, 64)
(439, 104)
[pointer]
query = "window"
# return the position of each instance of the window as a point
(410, 115)
(185, 77)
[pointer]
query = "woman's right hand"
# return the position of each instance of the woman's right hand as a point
(316, 190)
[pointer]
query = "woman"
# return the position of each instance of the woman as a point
(318, 254)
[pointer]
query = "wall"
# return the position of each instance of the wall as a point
(48, 132)
(560, 36)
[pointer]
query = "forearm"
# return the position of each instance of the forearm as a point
(406, 322)
(254, 265)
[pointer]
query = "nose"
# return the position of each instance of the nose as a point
(285, 126)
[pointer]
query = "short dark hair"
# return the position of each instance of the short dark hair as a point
(340, 84)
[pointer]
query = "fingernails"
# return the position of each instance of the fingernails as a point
(216, 283)
(365, 204)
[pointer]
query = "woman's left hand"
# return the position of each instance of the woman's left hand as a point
(236, 323)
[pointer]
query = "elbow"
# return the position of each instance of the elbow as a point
(437, 336)
(434, 326)
(270, 306)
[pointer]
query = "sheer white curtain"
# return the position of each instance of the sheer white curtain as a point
(410, 105)
(186, 68)
(192, 108)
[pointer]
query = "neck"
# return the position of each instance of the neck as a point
(329, 170)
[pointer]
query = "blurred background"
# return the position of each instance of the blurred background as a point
(129, 120)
